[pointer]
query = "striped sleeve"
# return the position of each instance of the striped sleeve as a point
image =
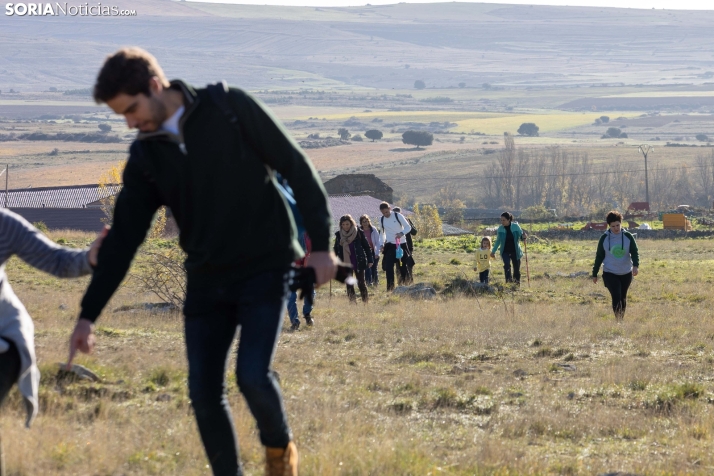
(20, 238)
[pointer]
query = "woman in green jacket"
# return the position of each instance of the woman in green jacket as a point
(508, 238)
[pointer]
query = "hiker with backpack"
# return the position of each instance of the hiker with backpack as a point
(371, 275)
(17, 339)
(508, 240)
(352, 247)
(406, 264)
(394, 228)
(619, 257)
(210, 154)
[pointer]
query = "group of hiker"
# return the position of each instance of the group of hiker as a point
(362, 247)
(205, 153)
(616, 253)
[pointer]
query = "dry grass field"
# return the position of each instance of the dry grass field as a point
(539, 380)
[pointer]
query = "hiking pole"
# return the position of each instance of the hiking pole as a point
(528, 273)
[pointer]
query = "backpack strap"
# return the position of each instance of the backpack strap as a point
(398, 220)
(219, 95)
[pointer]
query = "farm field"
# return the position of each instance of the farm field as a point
(539, 380)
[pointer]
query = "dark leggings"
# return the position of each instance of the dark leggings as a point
(618, 284)
(362, 287)
(9, 369)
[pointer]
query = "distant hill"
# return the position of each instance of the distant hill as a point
(382, 47)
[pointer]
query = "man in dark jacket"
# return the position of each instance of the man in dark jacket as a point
(218, 178)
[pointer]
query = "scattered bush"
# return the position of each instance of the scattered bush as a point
(528, 129)
(614, 133)
(105, 127)
(419, 84)
(357, 138)
(702, 137)
(373, 134)
(418, 138)
(427, 220)
(40, 225)
(344, 133)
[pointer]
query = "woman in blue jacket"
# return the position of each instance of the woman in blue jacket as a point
(508, 238)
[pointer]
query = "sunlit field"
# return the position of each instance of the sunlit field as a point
(536, 380)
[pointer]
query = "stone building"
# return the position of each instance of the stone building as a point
(358, 185)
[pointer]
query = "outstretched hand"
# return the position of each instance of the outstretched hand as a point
(325, 265)
(82, 339)
(93, 253)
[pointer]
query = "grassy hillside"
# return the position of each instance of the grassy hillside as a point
(540, 380)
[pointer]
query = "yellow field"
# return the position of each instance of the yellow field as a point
(487, 122)
(663, 94)
(546, 122)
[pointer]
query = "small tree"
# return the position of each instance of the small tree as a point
(373, 134)
(418, 138)
(612, 133)
(427, 220)
(110, 184)
(105, 127)
(356, 138)
(604, 119)
(344, 133)
(528, 129)
(702, 137)
(419, 84)
(462, 85)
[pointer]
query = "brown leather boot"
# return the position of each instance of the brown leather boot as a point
(281, 461)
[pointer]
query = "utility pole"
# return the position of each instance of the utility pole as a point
(7, 174)
(644, 150)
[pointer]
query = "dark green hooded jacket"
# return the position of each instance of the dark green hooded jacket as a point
(218, 181)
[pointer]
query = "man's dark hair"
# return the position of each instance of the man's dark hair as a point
(613, 216)
(383, 205)
(127, 71)
(507, 215)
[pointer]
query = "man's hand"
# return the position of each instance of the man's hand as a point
(325, 265)
(595, 279)
(94, 248)
(370, 264)
(635, 271)
(493, 255)
(82, 339)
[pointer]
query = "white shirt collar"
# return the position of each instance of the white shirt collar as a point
(172, 123)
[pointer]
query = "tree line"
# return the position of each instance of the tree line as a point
(570, 182)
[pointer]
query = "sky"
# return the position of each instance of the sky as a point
(666, 4)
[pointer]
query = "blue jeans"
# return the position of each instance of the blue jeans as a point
(213, 316)
(293, 308)
(371, 275)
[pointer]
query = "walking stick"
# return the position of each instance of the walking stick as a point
(528, 273)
